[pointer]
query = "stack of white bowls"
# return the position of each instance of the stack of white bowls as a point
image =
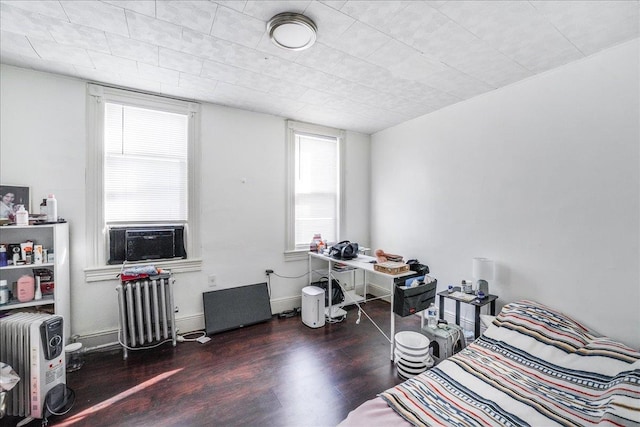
(411, 354)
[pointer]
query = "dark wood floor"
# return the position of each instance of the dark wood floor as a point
(278, 373)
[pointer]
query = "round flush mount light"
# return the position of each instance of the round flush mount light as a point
(292, 31)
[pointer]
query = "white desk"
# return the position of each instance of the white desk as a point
(363, 263)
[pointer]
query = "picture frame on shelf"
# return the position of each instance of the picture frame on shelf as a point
(13, 196)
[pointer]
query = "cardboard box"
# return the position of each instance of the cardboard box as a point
(391, 267)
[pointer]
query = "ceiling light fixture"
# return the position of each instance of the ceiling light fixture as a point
(292, 31)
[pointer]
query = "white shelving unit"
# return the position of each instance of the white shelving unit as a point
(55, 238)
(350, 295)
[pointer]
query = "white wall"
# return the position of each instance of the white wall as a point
(43, 145)
(541, 176)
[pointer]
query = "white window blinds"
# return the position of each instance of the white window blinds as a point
(145, 165)
(316, 188)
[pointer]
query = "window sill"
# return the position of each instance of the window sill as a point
(110, 272)
(296, 255)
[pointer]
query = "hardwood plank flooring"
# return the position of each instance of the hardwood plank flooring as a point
(277, 373)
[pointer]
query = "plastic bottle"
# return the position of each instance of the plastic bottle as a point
(432, 316)
(22, 216)
(321, 246)
(4, 292)
(26, 288)
(52, 208)
(313, 247)
(4, 261)
(38, 292)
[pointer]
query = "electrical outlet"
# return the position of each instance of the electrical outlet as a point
(212, 281)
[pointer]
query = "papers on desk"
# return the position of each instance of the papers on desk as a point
(462, 296)
(338, 266)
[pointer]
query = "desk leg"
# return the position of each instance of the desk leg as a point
(477, 322)
(393, 325)
(493, 307)
(364, 290)
(330, 292)
(457, 312)
(441, 307)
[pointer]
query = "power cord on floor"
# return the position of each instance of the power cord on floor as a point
(147, 347)
(361, 311)
(68, 405)
(183, 337)
(290, 313)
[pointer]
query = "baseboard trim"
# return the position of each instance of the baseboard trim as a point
(109, 338)
(278, 305)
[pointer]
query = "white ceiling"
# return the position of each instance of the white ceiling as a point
(375, 63)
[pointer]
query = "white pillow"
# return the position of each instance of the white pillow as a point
(486, 320)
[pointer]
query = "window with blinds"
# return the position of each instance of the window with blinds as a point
(314, 179)
(142, 168)
(316, 188)
(145, 165)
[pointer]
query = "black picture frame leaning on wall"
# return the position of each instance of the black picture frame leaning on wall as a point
(12, 197)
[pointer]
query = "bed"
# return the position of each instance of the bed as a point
(532, 366)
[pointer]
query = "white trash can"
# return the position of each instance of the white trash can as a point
(313, 306)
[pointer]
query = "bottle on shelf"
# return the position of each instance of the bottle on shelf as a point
(4, 261)
(22, 216)
(52, 208)
(432, 316)
(26, 288)
(4, 292)
(38, 292)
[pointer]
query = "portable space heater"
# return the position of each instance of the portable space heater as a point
(33, 345)
(146, 311)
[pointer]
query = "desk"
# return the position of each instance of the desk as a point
(490, 299)
(363, 263)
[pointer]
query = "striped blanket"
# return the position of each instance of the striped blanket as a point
(533, 366)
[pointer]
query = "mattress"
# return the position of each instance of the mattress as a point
(532, 366)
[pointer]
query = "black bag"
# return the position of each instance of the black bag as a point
(408, 301)
(414, 265)
(344, 250)
(336, 291)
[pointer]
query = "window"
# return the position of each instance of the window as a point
(145, 165)
(314, 185)
(141, 166)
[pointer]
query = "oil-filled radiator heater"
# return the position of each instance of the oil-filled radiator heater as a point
(33, 345)
(147, 316)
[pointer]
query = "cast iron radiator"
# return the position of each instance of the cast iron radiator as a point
(147, 316)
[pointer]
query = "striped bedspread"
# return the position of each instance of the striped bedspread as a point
(534, 366)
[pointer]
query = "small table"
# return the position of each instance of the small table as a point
(477, 303)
